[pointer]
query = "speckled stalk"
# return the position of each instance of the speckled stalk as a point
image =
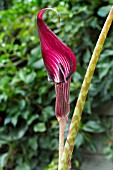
(62, 124)
(69, 145)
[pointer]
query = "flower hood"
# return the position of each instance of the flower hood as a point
(59, 60)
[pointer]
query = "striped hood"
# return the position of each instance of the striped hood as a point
(59, 60)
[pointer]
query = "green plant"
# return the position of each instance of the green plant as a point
(28, 127)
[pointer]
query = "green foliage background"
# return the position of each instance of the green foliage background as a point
(28, 126)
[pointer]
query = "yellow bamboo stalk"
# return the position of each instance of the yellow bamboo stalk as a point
(69, 145)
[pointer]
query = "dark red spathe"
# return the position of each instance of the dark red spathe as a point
(60, 64)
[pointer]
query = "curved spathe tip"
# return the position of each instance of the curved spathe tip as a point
(40, 14)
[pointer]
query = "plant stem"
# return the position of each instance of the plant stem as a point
(62, 124)
(83, 94)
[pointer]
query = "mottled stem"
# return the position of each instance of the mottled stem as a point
(62, 124)
(83, 94)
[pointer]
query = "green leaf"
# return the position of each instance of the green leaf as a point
(31, 118)
(47, 112)
(17, 134)
(33, 143)
(87, 56)
(34, 52)
(76, 77)
(40, 127)
(103, 69)
(103, 11)
(45, 142)
(3, 160)
(79, 140)
(38, 64)
(93, 126)
(14, 119)
(26, 76)
(24, 166)
(87, 107)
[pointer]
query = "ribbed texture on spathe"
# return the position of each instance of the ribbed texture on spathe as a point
(62, 98)
(59, 60)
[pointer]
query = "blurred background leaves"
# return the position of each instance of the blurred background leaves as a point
(28, 126)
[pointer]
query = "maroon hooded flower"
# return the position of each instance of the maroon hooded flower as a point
(60, 64)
